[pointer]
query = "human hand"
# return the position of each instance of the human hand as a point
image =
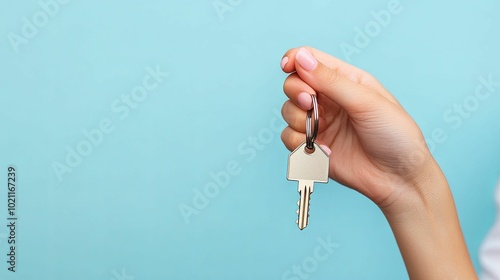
(376, 147)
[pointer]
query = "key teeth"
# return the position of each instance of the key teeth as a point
(301, 227)
(308, 215)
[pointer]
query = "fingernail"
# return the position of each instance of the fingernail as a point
(326, 149)
(306, 60)
(284, 61)
(305, 100)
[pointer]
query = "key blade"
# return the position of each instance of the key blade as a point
(305, 190)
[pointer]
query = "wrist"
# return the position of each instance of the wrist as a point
(427, 187)
(426, 227)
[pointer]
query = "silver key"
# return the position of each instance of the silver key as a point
(307, 168)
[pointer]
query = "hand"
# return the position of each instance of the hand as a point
(376, 147)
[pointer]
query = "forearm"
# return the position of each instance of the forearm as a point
(427, 230)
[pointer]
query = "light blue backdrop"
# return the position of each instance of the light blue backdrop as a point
(184, 173)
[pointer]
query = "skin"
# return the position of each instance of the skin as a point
(378, 150)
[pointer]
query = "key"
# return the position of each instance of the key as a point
(307, 168)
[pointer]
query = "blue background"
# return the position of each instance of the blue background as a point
(117, 214)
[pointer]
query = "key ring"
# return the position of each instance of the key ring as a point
(311, 136)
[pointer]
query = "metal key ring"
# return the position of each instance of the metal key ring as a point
(311, 136)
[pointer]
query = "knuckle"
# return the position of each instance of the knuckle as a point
(290, 138)
(287, 112)
(284, 110)
(332, 75)
(292, 115)
(289, 82)
(284, 136)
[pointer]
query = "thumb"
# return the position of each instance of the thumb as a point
(351, 96)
